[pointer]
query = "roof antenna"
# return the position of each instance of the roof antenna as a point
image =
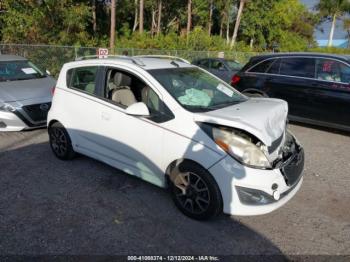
(174, 63)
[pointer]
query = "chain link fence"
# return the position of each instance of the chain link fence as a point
(47, 57)
(52, 57)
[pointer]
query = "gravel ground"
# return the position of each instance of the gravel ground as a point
(48, 206)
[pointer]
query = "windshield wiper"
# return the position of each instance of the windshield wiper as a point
(197, 108)
(218, 106)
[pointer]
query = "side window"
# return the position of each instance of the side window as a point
(302, 67)
(274, 67)
(126, 89)
(82, 78)
(263, 66)
(331, 70)
(217, 65)
(204, 63)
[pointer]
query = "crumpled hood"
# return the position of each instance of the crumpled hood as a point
(11, 91)
(264, 118)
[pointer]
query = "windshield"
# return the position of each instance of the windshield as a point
(233, 65)
(197, 90)
(19, 70)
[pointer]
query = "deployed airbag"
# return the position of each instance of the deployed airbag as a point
(195, 97)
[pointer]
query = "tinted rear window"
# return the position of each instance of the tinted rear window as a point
(302, 67)
(263, 66)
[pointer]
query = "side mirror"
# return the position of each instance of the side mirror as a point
(137, 109)
(48, 72)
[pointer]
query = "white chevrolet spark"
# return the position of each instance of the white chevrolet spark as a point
(175, 125)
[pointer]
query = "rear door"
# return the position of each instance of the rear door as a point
(80, 103)
(255, 76)
(289, 79)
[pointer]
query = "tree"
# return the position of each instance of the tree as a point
(346, 26)
(136, 12)
(112, 34)
(285, 22)
(94, 17)
(159, 16)
(332, 9)
(189, 17)
(238, 21)
(65, 22)
(210, 23)
(142, 4)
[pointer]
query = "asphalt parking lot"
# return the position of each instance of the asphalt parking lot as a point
(48, 206)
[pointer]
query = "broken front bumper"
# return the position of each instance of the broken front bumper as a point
(249, 191)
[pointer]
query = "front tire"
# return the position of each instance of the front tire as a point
(195, 192)
(60, 142)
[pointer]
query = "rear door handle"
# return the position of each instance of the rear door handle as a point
(105, 116)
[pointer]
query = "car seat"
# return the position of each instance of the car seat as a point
(121, 92)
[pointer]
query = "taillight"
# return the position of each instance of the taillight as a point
(53, 90)
(235, 79)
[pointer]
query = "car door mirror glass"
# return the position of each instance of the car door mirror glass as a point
(138, 109)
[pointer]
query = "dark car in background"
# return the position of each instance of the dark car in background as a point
(222, 68)
(316, 86)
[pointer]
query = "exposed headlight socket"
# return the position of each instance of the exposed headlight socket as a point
(274, 186)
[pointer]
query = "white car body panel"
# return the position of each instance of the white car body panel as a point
(247, 116)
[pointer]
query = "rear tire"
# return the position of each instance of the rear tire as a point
(60, 142)
(195, 192)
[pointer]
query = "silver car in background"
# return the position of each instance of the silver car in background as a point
(25, 94)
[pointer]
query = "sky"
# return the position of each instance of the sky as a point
(339, 31)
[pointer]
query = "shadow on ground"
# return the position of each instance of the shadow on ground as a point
(48, 206)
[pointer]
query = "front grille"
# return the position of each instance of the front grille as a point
(37, 112)
(293, 168)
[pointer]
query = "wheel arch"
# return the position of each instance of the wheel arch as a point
(175, 164)
(52, 121)
(170, 176)
(256, 91)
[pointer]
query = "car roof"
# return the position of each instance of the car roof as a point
(217, 58)
(11, 58)
(306, 54)
(146, 63)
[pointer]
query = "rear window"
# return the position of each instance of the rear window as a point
(203, 63)
(217, 65)
(233, 65)
(82, 78)
(301, 67)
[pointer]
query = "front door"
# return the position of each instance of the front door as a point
(131, 143)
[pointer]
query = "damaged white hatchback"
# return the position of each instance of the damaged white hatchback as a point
(177, 126)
